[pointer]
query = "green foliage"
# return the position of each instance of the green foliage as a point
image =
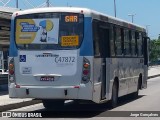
(154, 50)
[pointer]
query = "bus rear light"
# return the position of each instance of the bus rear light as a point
(86, 65)
(86, 71)
(76, 87)
(85, 78)
(11, 66)
(18, 86)
(11, 72)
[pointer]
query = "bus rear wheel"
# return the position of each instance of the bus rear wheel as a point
(53, 104)
(114, 99)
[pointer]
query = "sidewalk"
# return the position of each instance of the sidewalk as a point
(153, 71)
(7, 103)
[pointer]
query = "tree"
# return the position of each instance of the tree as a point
(154, 50)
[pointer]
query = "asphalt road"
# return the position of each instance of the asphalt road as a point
(148, 100)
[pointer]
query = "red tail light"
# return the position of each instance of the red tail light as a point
(18, 86)
(86, 71)
(86, 65)
(11, 70)
(11, 66)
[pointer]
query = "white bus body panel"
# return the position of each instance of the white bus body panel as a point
(127, 70)
(67, 76)
(97, 79)
(37, 65)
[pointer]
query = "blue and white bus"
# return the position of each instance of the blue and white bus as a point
(68, 53)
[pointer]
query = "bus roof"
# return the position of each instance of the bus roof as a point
(87, 13)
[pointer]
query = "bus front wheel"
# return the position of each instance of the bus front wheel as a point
(53, 104)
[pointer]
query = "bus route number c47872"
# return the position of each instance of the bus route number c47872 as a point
(64, 59)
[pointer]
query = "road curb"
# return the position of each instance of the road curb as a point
(153, 76)
(19, 105)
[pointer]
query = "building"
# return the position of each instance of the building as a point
(5, 22)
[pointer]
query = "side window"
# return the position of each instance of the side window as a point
(96, 39)
(130, 42)
(101, 39)
(112, 41)
(136, 48)
(133, 44)
(139, 44)
(126, 43)
(118, 42)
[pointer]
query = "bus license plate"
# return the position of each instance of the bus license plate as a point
(47, 78)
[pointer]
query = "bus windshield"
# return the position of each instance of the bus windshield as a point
(45, 31)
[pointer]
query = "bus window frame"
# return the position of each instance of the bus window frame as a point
(59, 15)
(130, 32)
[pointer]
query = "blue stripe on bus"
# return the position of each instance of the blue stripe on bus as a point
(13, 52)
(86, 48)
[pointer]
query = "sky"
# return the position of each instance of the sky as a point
(146, 11)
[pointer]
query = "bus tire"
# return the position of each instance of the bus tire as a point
(53, 104)
(114, 99)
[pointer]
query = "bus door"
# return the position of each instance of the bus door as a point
(146, 57)
(104, 51)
